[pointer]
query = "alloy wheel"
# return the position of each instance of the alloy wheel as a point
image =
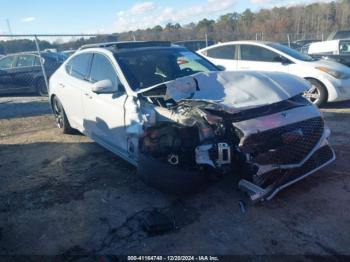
(58, 114)
(313, 94)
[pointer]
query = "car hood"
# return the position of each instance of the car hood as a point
(231, 89)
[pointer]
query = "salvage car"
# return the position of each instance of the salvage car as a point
(22, 72)
(182, 122)
(330, 81)
(334, 50)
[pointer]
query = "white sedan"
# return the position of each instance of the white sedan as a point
(182, 122)
(330, 81)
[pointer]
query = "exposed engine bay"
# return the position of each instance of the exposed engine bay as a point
(269, 145)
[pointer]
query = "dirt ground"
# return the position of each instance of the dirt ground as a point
(65, 195)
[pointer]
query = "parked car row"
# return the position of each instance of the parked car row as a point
(330, 81)
(183, 122)
(22, 72)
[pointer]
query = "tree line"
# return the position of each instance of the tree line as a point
(314, 20)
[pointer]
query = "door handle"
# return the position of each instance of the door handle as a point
(244, 67)
(61, 85)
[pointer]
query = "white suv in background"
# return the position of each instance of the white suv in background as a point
(330, 81)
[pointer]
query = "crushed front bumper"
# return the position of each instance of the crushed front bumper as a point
(320, 157)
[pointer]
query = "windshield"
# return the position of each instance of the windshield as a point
(147, 67)
(291, 52)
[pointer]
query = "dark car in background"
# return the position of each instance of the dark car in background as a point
(299, 44)
(291, 45)
(302, 42)
(340, 34)
(195, 45)
(22, 72)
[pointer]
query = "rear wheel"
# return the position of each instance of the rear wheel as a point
(61, 117)
(317, 94)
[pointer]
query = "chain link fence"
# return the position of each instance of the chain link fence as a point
(28, 61)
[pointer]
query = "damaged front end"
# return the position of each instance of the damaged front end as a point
(189, 141)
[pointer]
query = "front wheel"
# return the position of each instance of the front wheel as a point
(61, 117)
(317, 94)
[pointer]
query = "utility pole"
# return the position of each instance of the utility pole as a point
(9, 26)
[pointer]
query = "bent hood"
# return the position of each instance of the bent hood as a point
(231, 89)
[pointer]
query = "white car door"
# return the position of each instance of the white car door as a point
(70, 87)
(253, 57)
(104, 113)
(224, 55)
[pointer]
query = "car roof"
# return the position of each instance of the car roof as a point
(242, 42)
(117, 46)
(254, 42)
(31, 53)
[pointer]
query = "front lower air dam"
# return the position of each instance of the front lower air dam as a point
(285, 155)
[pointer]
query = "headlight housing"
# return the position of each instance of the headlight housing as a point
(334, 73)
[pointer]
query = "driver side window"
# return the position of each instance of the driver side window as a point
(259, 54)
(102, 69)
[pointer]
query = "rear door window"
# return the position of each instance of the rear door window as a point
(258, 53)
(7, 62)
(222, 52)
(79, 65)
(25, 61)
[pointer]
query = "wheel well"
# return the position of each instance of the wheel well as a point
(51, 100)
(318, 81)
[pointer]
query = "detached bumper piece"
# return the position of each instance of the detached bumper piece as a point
(286, 177)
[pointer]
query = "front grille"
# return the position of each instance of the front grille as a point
(321, 156)
(285, 145)
(283, 176)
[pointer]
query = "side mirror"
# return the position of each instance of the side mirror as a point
(282, 60)
(104, 87)
(221, 68)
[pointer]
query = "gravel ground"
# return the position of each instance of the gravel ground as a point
(65, 195)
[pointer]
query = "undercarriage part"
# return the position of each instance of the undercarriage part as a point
(224, 154)
(255, 192)
(173, 159)
(171, 143)
(202, 155)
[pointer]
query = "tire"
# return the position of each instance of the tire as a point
(41, 87)
(61, 117)
(317, 94)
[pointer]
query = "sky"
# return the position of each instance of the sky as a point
(109, 16)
